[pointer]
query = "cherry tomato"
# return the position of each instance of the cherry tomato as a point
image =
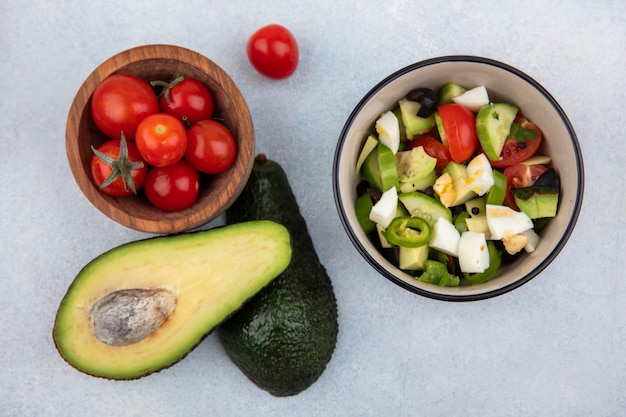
(117, 168)
(273, 51)
(172, 187)
(459, 125)
(211, 148)
(120, 102)
(519, 148)
(519, 176)
(187, 99)
(161, 139)
(433, 148)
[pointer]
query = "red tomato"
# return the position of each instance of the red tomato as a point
(120, 102)
(459, 125)
(187, 99)
(433, 148)
(518, 149)
(161, 139)
(117, 168)
(172, 187)
(211, 148)
(273, 51)
(519, 176)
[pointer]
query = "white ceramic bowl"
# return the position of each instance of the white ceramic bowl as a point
(504, 83)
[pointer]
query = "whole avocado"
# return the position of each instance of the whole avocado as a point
(283, 338)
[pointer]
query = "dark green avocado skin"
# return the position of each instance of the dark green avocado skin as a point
(283, 338)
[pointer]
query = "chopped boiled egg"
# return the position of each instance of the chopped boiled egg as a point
(445, 237)
(473, 99)
(473, 252)
(533, 240)
(388, 129)
(480, 174)
(505, 222)
(514, 244)
(444, 188)
(384, 211)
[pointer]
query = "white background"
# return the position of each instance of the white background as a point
(554, 347)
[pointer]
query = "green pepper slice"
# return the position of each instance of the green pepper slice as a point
(408, 232)
(495, 259)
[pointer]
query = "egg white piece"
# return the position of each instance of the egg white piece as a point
(388, 129)
(384, 210)
(480, 174)
(533, 240)
(473, 99)
(445, 237)
(473, 252)
(503, 221)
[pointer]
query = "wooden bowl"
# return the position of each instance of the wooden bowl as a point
(217, 192)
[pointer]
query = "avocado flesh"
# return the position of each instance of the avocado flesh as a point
(284, 337)
(537, 201)
(414, 124)
(208, 274)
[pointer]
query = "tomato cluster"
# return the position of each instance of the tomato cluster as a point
(161, 142)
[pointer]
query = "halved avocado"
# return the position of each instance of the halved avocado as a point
(141, 307)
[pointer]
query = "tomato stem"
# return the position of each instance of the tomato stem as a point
(121, 167)
(165, 92)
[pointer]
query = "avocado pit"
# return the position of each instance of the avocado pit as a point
(128, 316)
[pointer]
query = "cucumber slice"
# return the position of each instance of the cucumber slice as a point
(388, 169)
(379, 169)
(493, 124)
(424, 206)
(368, 147)
(449, 91)
(370, 170)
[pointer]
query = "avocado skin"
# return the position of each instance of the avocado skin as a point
(283, 338)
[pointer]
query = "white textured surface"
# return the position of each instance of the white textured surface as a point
(554, 347)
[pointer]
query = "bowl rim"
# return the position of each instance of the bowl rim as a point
(579, 169)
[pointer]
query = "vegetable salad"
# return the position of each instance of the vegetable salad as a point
(452, 184)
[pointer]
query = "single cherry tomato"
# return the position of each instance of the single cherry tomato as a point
(433, 148)
(211, 148)
(117, 168)
(459, 125)
(120, 103)
(185, 98)
(273, 51)
(161, 139)
(172, 187)
(520, 175)
(525, 140)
